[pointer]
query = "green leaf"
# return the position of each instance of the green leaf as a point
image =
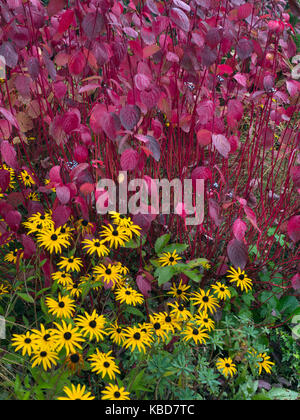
(287, 305)
(194, 275)
(164, 274)
(161, 242)
(197, 262)
(134, 311)
(25, 297)
(179, 248)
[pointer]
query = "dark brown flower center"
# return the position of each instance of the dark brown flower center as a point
(106, 365)
(54, 237)
(241, 276)
(117, 394)
(61, 304)
(137, 336)
(93, 324)
(205, 299)
(74, 358)
(67, 336)
(43, 353)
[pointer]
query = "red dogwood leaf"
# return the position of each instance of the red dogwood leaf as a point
(61, 215)
(144, 285)
(9, 154)
(65, 21)
(77, 63)
(4, 180)
(239, 229)
(93, 24)
(142, 81)
(244, 48)
(63, 194)
(293, 228)
(13, 218)
(55, 6)
(204, 137)
(129, 159)
(221, 144)
(130, 116)
(180, 19)
(29, 246)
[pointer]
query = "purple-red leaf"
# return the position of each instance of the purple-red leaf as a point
(221, 144)
(244, 48)
(129, 159)
(180, 19)
(61, 215)
(4, 180)
(144, 285)
(9, 154)
(29, 246)
(237, 254)
(63, 194)
(13, 219)
(92, 25)
(65, 21)
(130, 116)
(293, 228)
(239, 229)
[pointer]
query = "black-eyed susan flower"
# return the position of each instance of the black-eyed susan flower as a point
(131, 230)
(33, 196)
(68, 337)
(240, 278)
(179, 311)
(13, 256)
(159, 328)
(74, 289)
(3, 290)
(43, 337)
(129, 296)
(24, 342)
(76, 393)
(170, 321)
(122, 269)
(63, 308)
(75, 362)
(116, 333)
(114, 393)
(205, 301)
(120, 219)
(44, 357)
(135, 338)
(62, 277)
(53, 241)
(226, 366)
(169, 259)
(84, 226)
(95, 246)
(91, 325)
(179, 292)
(115, 235)
(103, 364)
(70, 264)
(263, 362)
(39, 222)
(26, 178)
(195, 333)
(221, 291)
(204, 321)
(109, 274)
